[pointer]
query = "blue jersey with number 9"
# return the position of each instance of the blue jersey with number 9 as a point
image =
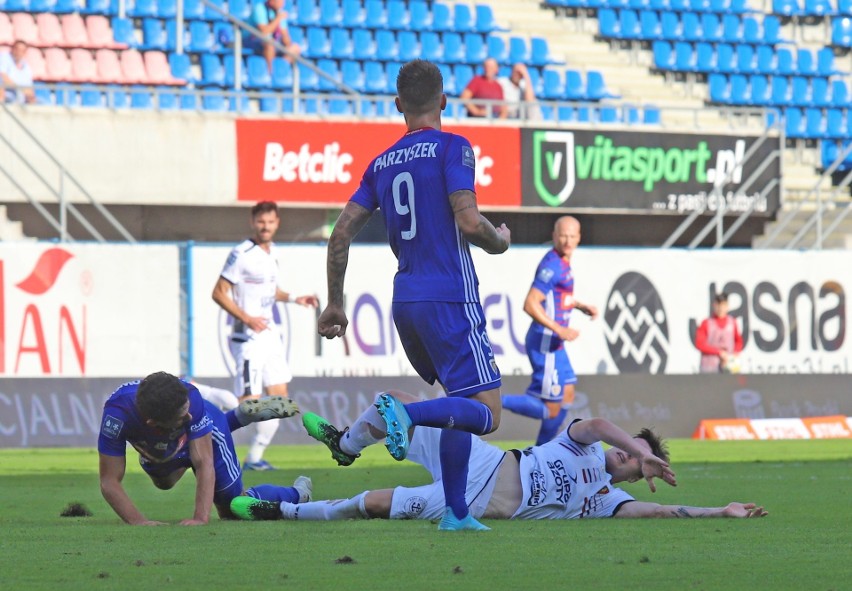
(411, 183)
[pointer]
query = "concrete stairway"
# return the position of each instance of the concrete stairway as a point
(10, 230)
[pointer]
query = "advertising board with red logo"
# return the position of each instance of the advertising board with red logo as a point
(318, 162)
(88, 310)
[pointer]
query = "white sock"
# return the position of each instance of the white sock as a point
(262, 438)
(360, 434)
(326, 510)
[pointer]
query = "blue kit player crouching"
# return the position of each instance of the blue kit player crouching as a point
(424, 185)
(173, 428)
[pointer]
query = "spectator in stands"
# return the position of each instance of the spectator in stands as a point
(519, 94)
(485, 86)
(16, 77)
(270, 18)
(719, 340)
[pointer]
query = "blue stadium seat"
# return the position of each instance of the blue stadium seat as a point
(240, 9)
(540, 53)
(805, 63)
(68, 6)
(475, 49)
(308, 14)
(181, 67)
(785, 64)
(840, 94)
(565, 113)
(761, 93)
(554, 85)
(685, 58)
(711, 27)
(464, 20)
(485, 21)
(331, 14)
(801, 93)
(386, 46)
(352, 75)
(726, 59)
(341, 43)
(123, 31)
(167, 8)
(608, 25)
(201, 38)
(608, 115)
(497, 49)
(639, 5)
(431, 47)
(319, 45)
(282, 74)
(91, 7)
(739, 89)
(575, 87)
(166, 100)
(91, 96)
(116, 97)
(690, 26)
(628, 24)
(660, 6)
(819, 8)
(270, 104)
(787, 8)
(193, 10)
(841, 32)
(392, 71)
(259, 77)
(330, 68)
(399, 18)
(142, 9)
(223, 36)
(376, 17)
(188, 101)
(141, 100)
(47, 6)
(720, 90)
(454, 50)
(651, 115)
(214, 102)
(663, 55)
(772, 30)
(825, 62)
(375, 79)
(409, 46)
(705, 57)
(353, 15)
(154, 35)
(229, 64)
(752, 32)
(518, 50)
(746, 59)
(780, 96)
(631, 115)
(308, 79)
(239, 103)
(765, 60)
(731, 28)
(364, 44)
(212, 71)
(649, 25)
(671, 27)
(596, 88)
(819, 92)
(815, 126)
(450, 87)
(340, 107)
(442, 17)
(844, 7)
(835, 124)
(420, 16)
(679, 6)
(213, 15)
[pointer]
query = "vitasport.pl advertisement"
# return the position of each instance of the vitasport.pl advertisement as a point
(661, 172)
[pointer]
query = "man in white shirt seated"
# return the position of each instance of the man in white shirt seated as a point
(16, 77)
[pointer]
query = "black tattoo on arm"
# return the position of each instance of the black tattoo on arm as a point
(352, 219)
(682, 512)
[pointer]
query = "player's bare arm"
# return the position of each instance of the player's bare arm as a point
(333, 322)
(475, 227)
(111, 470)
(598, 429)
(310, 301)
(639, 509)
(222, 296)
(201, 452)
(533, 306)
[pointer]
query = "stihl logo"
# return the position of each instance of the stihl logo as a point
(24, 313)
(328, 166)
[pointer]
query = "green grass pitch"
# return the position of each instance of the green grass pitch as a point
(805, 542)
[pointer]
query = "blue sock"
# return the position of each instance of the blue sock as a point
(549, 427)
(272, 492)
(463, 414)
(524, 404)
(233, 423)
(455, 455)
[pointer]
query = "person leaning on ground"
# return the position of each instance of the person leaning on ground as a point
(16, 76)
(485, 86)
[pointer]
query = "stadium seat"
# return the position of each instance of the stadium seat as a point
(815, 126)
(364, 45)
(746, 59)
(518, 50)
(319, 45)
(649, 25)
(840, 94)
(554, 85)
(91, 96)
(819, 92)
(353, 15)
(780, 96)
(308, 14)
(340, 107)
(752, 32)
(475, 48)
(386, 46)
(181, 67)
(123, 32)
(785, 64)
(109, 67)
(142, 9)
(731, 28)
(835, 125)
(201, 38)
(464, 20)
(450, 87)
(761, 92)
(720, 90)
(240, 9)
(398, 17)
(308, 79)
(765, 60)
(331, 14)
(40, 6)
(651, 115)
(341, 44)
(166, 101)
(454, 50)
(154, 35)
(193, 10)
(772, 30)
(685, 58)
(409, 46)
(497, 49)
(375, 79)
(705, 58)
(189, 101)
(805, 63)
(97, 7)
(17, 5)
(690, 27)
(140, 98)
(282, 73)
(25, 28)
(158, 70)
(239, 103)
(420, 16)
(540, 52)
(442, 17)
(663, 55)
(167, 9)
(133, 67)
(375, 17)
(214, 102)
(608, 115)
(352, 75)
(212, 71)
(801, 91)
(739, 89)
(671, 27)
(270, 104)
(786, 8)
(818, 8)
(596, 88)
(49, 30)
(485, 21)
(608, 24)
(392, 71)
(58, 66)
(711, 27)
(841, 32)
(825, 63)
(332, 72)
(575, 88)
(100, 33)
(83, 66)
(463, 74)
(230, 66)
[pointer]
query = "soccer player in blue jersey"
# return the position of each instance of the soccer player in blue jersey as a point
(173, 428)
(424, 185)
(549, 303)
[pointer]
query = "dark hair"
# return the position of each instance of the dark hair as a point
(720, 297)
(160, 396)
(264, 207)
(419, 86)
(658, 446)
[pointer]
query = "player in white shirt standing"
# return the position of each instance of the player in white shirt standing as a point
(247, 289)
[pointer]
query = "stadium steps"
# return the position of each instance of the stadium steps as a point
(841, 238)
(11, 230)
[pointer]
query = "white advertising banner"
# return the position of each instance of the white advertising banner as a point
(790, 306)
(88, 310)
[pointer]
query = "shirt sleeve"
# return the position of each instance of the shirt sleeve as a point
(365, 195)
(112, 440)
(701, 339)
(258, 14)
(545, 276)
(201, 423)
(459, 166)
(233, 267)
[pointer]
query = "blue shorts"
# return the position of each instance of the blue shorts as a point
(229, 477)
(447, 342)
(552, 371)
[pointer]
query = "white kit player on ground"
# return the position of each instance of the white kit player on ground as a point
(247, 289)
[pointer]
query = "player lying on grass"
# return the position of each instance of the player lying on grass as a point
(173, 428)
(569, 477)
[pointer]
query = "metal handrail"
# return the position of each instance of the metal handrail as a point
(65, 174)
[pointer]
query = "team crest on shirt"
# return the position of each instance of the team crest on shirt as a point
(468, 158)
(545, 275)
(111, 427)
(414, 506)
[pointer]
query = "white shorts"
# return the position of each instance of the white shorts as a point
(427, 502)
(260, 361)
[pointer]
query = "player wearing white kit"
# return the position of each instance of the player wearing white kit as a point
(571, 477)
(247, 289)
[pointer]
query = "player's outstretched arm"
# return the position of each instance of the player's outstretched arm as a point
(639, 509)
(475, 227)
(111, 469)
(201, 453)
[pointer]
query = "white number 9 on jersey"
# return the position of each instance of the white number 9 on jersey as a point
(402, 209)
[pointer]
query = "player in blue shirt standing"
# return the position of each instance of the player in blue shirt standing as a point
(549, 303)
(424, 185)
(173, 428)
